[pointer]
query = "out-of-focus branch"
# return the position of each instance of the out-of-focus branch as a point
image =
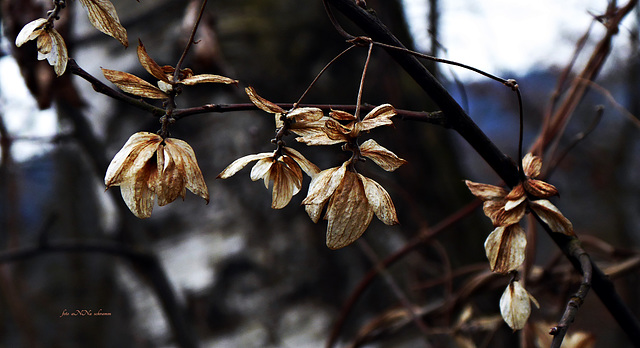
(560, 330)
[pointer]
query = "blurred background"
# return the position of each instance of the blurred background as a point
(235, 273)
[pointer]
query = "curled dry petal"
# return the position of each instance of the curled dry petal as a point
(306, 165)
(30, 31)
(51, 47)
(348, 212)
(552, 217)
(262, 103)
(134, 85)
(306, 114)
(208, 78)
(336, 131)
(495, 210)
(286, 182)
(379, 116)
(341, 115)
(485, 191)
(540, 189)
(123, 162)
(515, 305)
(380, 201)
(240, 163)
(193, 176)
(324, 184)
(261, 168)
(150, 65)
(102, 15)
(531, 165)
(505, 248)
(386, 159)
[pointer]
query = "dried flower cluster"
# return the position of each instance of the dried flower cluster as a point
(506, 245)
(148, 166)
(351, 199)
(51, 46)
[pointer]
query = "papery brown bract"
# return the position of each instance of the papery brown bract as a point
(505, 248)
(515, 305)
(283, 170)
(102, 15)
(133, 85)
(50, 43)
(351, 201)
(148, 167)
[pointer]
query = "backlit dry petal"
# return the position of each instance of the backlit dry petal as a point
(531, 165)
(511, 204)
(348, 212)
(306, 165)
(194, 180)
(516, 193)
(150, 65)
(30, 31)
(306, 114)
(261, 168)
(485, 191)
(262, 103)
(341, 115)
(124, 160)
(285, 185)
(386, 159)
(102, 15)
(495, 210)
(208, 78)
(380, 201)
(515, 305)
(540, 189)
(134, 85)
(240, 163)
(552, 217)
(171, 176)
(336, 131)
(379, 116)
(324, 184)
(505, 248)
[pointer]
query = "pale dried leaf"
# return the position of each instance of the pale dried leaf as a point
(285, 185)
(102, 15)
(348, 213)
(515, 305)
(495, 210)
(552, 217)
(306, 114)
(261, 168)
(306, 165)
(531, 165)
(341, 115)
(240, 163)
(208, 78)
(59, 53)
(150, 65)
(505, 248)
(379, 116)
(124, 159)
(386, 159)
(134, 85)
(262, 103)
(324, 184)
(30, 31)
(294, 169)
(336, 131)
(194, 180)
(314, 211)
(540, 189)
(137, 192)
(512, 204)
(485, 191)
(380, 201)
(172, 174)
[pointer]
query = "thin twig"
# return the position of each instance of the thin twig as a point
(560, 330)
